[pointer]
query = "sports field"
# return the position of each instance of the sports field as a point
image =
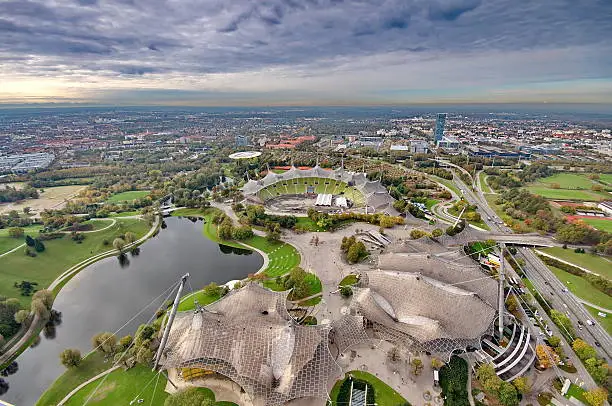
(317, 185)
(600, 224)
(571, 186)
(596, 263)
(50, 198)
(127, 196)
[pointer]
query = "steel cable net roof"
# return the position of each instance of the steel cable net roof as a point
(249, 336)
(375, 193)
(420, 312)
(456, 273)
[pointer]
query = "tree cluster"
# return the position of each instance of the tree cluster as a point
(597, 367)
(353, 249)
(10, 194)
(505, 392)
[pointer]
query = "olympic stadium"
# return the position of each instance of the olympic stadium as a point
(297, 189)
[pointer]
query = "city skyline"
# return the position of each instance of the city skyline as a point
(316, 52)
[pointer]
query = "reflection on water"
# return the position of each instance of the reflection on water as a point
(108, 293)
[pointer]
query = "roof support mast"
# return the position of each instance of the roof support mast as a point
(501, 293)
(164, 340)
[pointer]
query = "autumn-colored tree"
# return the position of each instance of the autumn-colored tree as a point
(596, 397)
(546, 356)
(522, 384)
(583, 350)
(417, 366)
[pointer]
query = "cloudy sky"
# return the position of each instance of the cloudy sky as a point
(274, 52)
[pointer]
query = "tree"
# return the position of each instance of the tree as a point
(546, 356)
(554, 341)
(16, 232)
(512, 304)
(522, 385)
(38, 245)
(507, 394)
(118, 244)
(213, 290)
(416, 234)
(417, 364)
(105, 342)
(437, 233)
(21, 316)
(124, 343)
(129, 237)
(45, 296)
(38, 307)
(583, 350)
(273, 235)
(144, 355)
(70, 358)
(394, 354)
(596, 397)
(598, 369)
(189, 397)
(387, 222)
(29, 241)
(346, 291)
(356, 252)
(436, 363)
(562, 321)
(485, 372)
(242, 233)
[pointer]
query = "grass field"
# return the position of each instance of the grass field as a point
(568, 181)
(127, 196)
(606, 178)
(582, 288)
(8, 243)
(595, 263)
(282, 257)
(572, 186)
(59, 255)
(483, 183)
(90, 367)
(606, 322)
(385, 395)
(600, 224)
(51, 198)
(125, 213)
(566, 194)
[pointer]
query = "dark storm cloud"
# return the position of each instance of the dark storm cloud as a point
(216, 36)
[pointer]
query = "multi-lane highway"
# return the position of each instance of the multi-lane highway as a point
(544, 280)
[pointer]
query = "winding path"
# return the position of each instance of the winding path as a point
(87, 382)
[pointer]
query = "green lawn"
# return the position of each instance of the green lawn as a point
(307, 224)
(448, 183)
(8, 243)
(582, 288)
(282, 257)
(483, 184)
(188, 302)
(98, 223)
(127, 196)
(430, 203)
(600, 224)
(479, 224)
(125, 213)
(576, 392)
(385, 395)
(58, 256)
(568, 181)
(595, 263)
(349, 280)
(605, 178)
(90, 367)
(566, 194)
(606, 322)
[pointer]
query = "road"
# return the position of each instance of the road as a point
(543, 278)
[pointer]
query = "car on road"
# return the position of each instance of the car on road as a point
(564, 290)
(597, 344)
(590, 322)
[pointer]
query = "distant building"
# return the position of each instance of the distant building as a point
(241, 140)
(419, 147)
(448, 143)
(440, 122)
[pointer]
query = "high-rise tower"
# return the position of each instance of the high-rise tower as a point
(440, 121)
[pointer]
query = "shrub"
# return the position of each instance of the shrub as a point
(453, 380)
(416, 234)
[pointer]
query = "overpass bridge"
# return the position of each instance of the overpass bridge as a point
(530, 239)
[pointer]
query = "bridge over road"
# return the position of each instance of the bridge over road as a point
(529, 239)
